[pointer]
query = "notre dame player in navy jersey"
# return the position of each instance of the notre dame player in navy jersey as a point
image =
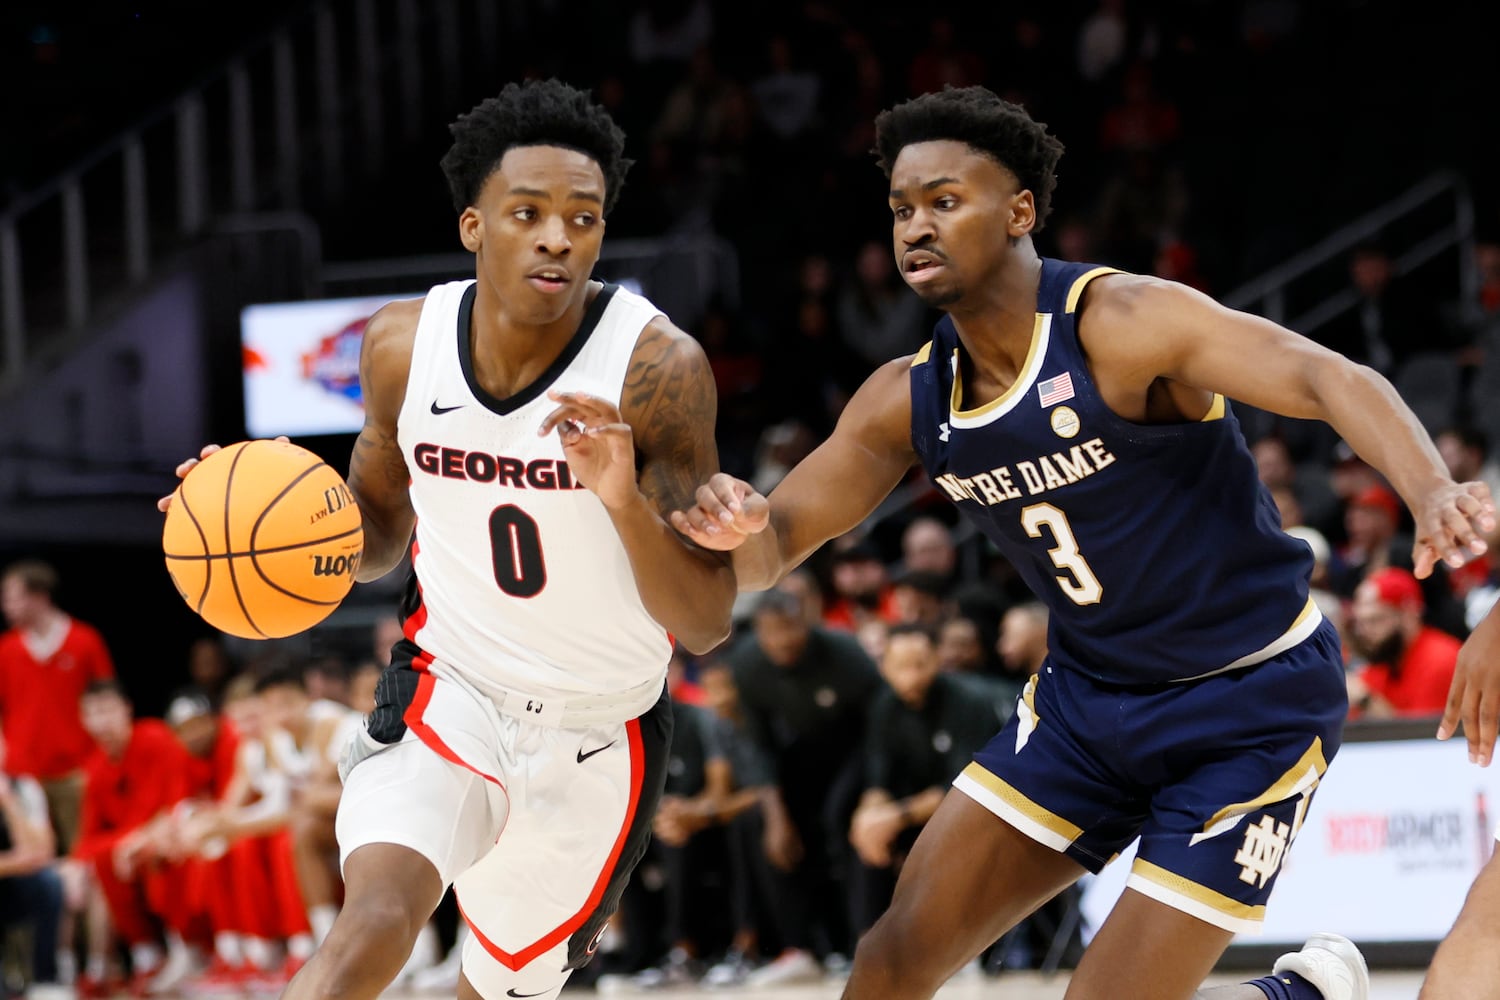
(1192, 695)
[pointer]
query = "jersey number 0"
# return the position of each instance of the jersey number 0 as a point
(516, 550)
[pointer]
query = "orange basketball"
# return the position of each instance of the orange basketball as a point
(263, 539)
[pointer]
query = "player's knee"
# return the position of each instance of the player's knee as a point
(888, 963)
(376, 927)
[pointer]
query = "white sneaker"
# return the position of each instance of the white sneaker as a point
(1332, 964)
(181, 965)
(442, 977)
(791, 967)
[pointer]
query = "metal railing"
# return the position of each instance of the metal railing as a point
(294, 105)
(1269, 294)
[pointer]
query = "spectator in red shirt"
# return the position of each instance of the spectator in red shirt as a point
(135, 777)
(46, 660)
(1409, 664)
(863, 587)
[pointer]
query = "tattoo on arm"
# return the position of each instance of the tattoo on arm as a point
(670, 400)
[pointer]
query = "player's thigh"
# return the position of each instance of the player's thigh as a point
(1147, 950)
(410, 797)
(971, 876)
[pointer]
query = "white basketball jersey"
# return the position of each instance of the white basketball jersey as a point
(525, 587)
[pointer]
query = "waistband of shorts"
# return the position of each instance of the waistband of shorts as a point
(554, 710)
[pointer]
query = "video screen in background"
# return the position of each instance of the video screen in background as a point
(301, 365)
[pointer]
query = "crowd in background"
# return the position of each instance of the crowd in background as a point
(195, 852)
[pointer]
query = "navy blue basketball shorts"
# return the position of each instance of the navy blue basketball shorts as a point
(1214, 775)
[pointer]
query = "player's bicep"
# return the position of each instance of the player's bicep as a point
(671, 404)
(378, 475)
(835, 488)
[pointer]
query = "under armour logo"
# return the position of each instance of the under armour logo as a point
(1260, 855)
(942, 432)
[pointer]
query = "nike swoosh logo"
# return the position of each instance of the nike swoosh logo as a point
(585, 756)
(438, 411)
(513, 993)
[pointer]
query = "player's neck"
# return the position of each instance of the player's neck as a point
(995, 321)
(510, 353)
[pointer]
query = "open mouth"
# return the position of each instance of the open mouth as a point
(921, 267)
(548, 281)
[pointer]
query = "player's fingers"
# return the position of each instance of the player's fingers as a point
(754, 514)
(1423, 558)
(182, 470)
(713, 504)
(1482, 736)
(617, 429)
(164, 503)
(1456, 536)
(557, 416)
(596, 405)
(1453, 710)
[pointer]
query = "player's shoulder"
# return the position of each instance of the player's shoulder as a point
(1119, 299)
(665, 350)
(394, 322)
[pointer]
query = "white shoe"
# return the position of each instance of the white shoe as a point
(50, 991)
(1332, 964)
(181, 965)
(442, 977)
(792, 967)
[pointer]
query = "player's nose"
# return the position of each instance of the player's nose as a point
(552, 238)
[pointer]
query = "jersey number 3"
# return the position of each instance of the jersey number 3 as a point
(516, 550)
(1081, 585)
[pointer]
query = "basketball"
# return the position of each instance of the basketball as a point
(263, 539)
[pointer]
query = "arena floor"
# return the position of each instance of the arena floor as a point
(1017, 986)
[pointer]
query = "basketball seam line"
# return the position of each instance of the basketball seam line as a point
(208, 570)
(228, 497)
(255, 564)
(248, 553)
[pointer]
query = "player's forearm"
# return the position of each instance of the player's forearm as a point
(1364, 408)
(387, 535)
(689, 592)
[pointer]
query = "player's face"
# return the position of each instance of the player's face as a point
(954, 212)
(536, 230)
(908, 666)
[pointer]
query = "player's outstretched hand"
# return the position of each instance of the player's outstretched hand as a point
(598, 443)
(1451, 523)
(1474, 695)
(186, 467)
(728, 511)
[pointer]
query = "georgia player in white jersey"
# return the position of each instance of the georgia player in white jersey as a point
(533, 427)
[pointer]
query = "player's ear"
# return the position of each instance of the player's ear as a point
(1022, 214)
(471, 229)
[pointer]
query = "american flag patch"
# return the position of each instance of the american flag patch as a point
(1055, 390)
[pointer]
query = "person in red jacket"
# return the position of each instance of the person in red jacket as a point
(1410, 665)
(138, 773)
(46, 660)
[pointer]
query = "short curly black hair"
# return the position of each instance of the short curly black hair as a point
(535, 113)
(987, 123)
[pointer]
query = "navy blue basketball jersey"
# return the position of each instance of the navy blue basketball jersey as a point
(1156, 548)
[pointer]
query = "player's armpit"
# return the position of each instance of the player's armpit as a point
(378, 476)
